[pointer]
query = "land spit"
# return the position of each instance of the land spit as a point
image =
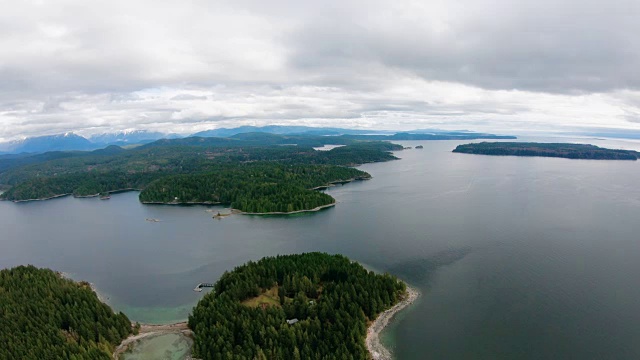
(375, 347)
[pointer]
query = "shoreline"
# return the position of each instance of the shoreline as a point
(71, 194)
(147, 330)
(41, 199)
(186, 203)
(236, 211)
(377, 351)
(240, 212)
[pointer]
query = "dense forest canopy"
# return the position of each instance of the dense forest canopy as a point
(167, 163)
(254, 187)
(332, 298)
(569, 151)
(44, 316)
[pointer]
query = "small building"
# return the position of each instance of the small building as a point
(292, 321)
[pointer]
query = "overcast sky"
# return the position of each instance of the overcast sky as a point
(185, 66)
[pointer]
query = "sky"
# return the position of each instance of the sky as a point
(504, 66)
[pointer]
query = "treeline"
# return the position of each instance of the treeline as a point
(44, 316)
(332, 297)
(103, 172)
(255, 187)
(82, 184)
(569, 151)
(173, 158)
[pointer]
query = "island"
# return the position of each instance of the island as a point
(305, 306)
(560, 150)
(258, 188)
(252, 173)
(46, 316)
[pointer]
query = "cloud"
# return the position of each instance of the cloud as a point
(185, 66)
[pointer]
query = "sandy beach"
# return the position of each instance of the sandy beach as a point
(375, 347)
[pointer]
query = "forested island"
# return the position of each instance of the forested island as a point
(45, 316)
(307, 306)
(254, 173)
(561, 150)
(254, 188)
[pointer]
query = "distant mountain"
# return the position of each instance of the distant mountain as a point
(40, 144)
(122, 138)
(244, 135)
(606, 133)
(283, 130)
(71, 141)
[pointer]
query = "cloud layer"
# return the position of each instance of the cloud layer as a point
(184, 66)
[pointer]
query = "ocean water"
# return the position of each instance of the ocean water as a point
(516, 258)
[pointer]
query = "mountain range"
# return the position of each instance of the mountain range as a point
(70, 141)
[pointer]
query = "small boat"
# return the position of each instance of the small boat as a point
(105, 197)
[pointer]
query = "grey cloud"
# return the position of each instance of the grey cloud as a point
(188, 97)
(569, 46)
(171, 66)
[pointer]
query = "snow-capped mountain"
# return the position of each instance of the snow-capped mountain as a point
(130, 137)
(71, 141)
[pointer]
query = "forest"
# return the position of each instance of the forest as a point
(254, 187)
(45, 316)
(331, 297)
(561, 150)
(179, 169)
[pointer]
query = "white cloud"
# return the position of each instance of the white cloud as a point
(177, 66)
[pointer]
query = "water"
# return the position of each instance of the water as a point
(161, 347)
(529, 258)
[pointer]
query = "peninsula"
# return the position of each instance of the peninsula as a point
(46, 316)
(560, 150)
(253, 173)
(277, 307)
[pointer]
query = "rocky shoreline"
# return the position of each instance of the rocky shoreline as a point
(375, 347)
(236, 211)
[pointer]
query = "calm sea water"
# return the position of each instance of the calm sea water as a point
(527, 258)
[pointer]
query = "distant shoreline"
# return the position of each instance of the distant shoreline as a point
(41, 199)
(206, 203)
(71, 194)
(236, 211)
(374, 346)
(549, 150)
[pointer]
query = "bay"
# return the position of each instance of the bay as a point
(516, 257)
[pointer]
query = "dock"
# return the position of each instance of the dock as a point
(199, 287)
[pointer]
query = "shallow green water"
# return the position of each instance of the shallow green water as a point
(161, 347)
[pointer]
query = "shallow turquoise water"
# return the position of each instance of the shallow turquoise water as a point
(161, 347)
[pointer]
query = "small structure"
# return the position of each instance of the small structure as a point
(199, 287)
(292, 321)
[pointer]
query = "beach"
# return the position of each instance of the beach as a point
(375, 347)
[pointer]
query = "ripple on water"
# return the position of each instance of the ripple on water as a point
(161, 347)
